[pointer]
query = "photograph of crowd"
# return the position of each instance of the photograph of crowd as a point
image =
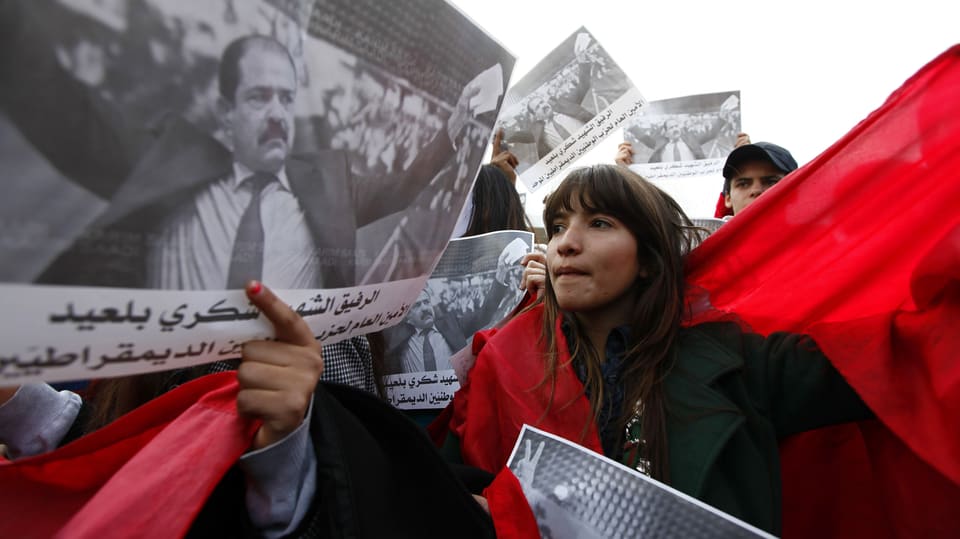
(574, 83)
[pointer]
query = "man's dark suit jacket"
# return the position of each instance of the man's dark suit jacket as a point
(146, 174)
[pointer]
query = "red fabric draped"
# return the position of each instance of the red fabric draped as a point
(722, 210)
(146, 474)
(508, 506)
(861, 250)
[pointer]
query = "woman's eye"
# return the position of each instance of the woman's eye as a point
(600, 223)
(556, 229)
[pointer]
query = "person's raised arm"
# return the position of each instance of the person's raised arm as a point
(798, 385)
(277, 380)
(376, 197)
(624, 155)
(503, 158)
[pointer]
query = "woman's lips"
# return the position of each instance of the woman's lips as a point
(569, 272)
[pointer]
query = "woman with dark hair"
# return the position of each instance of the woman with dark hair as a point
(603, 360)
(496, 204)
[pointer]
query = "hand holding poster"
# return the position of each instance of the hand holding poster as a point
(573, 99)
(474, 286)
(684, 136)
(164, 153)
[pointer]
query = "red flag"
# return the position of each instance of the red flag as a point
(722, 210)
(147, 474)
(861, 250)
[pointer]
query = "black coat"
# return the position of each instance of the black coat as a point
(378, 476)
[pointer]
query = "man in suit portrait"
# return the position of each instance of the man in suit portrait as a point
(433, 330)
(186, 210)
(424, 341)
(674, 143)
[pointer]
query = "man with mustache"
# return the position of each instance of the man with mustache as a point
(186, 212)
(430, 342)
(430, 335)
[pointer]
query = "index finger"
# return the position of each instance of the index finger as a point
(497, 141)
(535, 256)
(287, 324)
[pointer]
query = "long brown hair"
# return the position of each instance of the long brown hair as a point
(664, 234)
(114, 397)
(496, 204)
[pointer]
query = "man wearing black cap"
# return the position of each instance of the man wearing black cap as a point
(751, 169)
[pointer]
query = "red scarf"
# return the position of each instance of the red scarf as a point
(147, 474)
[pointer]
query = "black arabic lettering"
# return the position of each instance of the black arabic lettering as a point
(233, 349)
(217, 313)
(169, 323)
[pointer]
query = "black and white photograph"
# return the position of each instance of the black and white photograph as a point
(683, 130)
(475, 285)
(559, 98)
(194, 146)
(576, 493)
(164, 120)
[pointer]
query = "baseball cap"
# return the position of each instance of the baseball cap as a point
(758, 151)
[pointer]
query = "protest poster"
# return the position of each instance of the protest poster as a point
(684, 136)
(475, 285)
(570, 101)
(136, 136)
(576, 493)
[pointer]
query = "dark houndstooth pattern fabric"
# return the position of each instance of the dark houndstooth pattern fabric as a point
(347, 362)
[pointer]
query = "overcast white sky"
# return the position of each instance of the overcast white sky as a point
(807, 71)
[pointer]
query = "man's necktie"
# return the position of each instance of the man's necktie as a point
(246, 262)
(676, 151)
(429, 358)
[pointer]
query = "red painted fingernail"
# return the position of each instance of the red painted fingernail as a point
(254, 287)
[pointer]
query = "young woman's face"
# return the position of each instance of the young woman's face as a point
(592, 261)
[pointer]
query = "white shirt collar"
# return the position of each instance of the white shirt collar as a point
(241, 172)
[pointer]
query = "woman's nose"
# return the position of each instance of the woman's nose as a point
(570, 241)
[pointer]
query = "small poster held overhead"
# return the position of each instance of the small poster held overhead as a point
(684, 136)
(570, 101)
